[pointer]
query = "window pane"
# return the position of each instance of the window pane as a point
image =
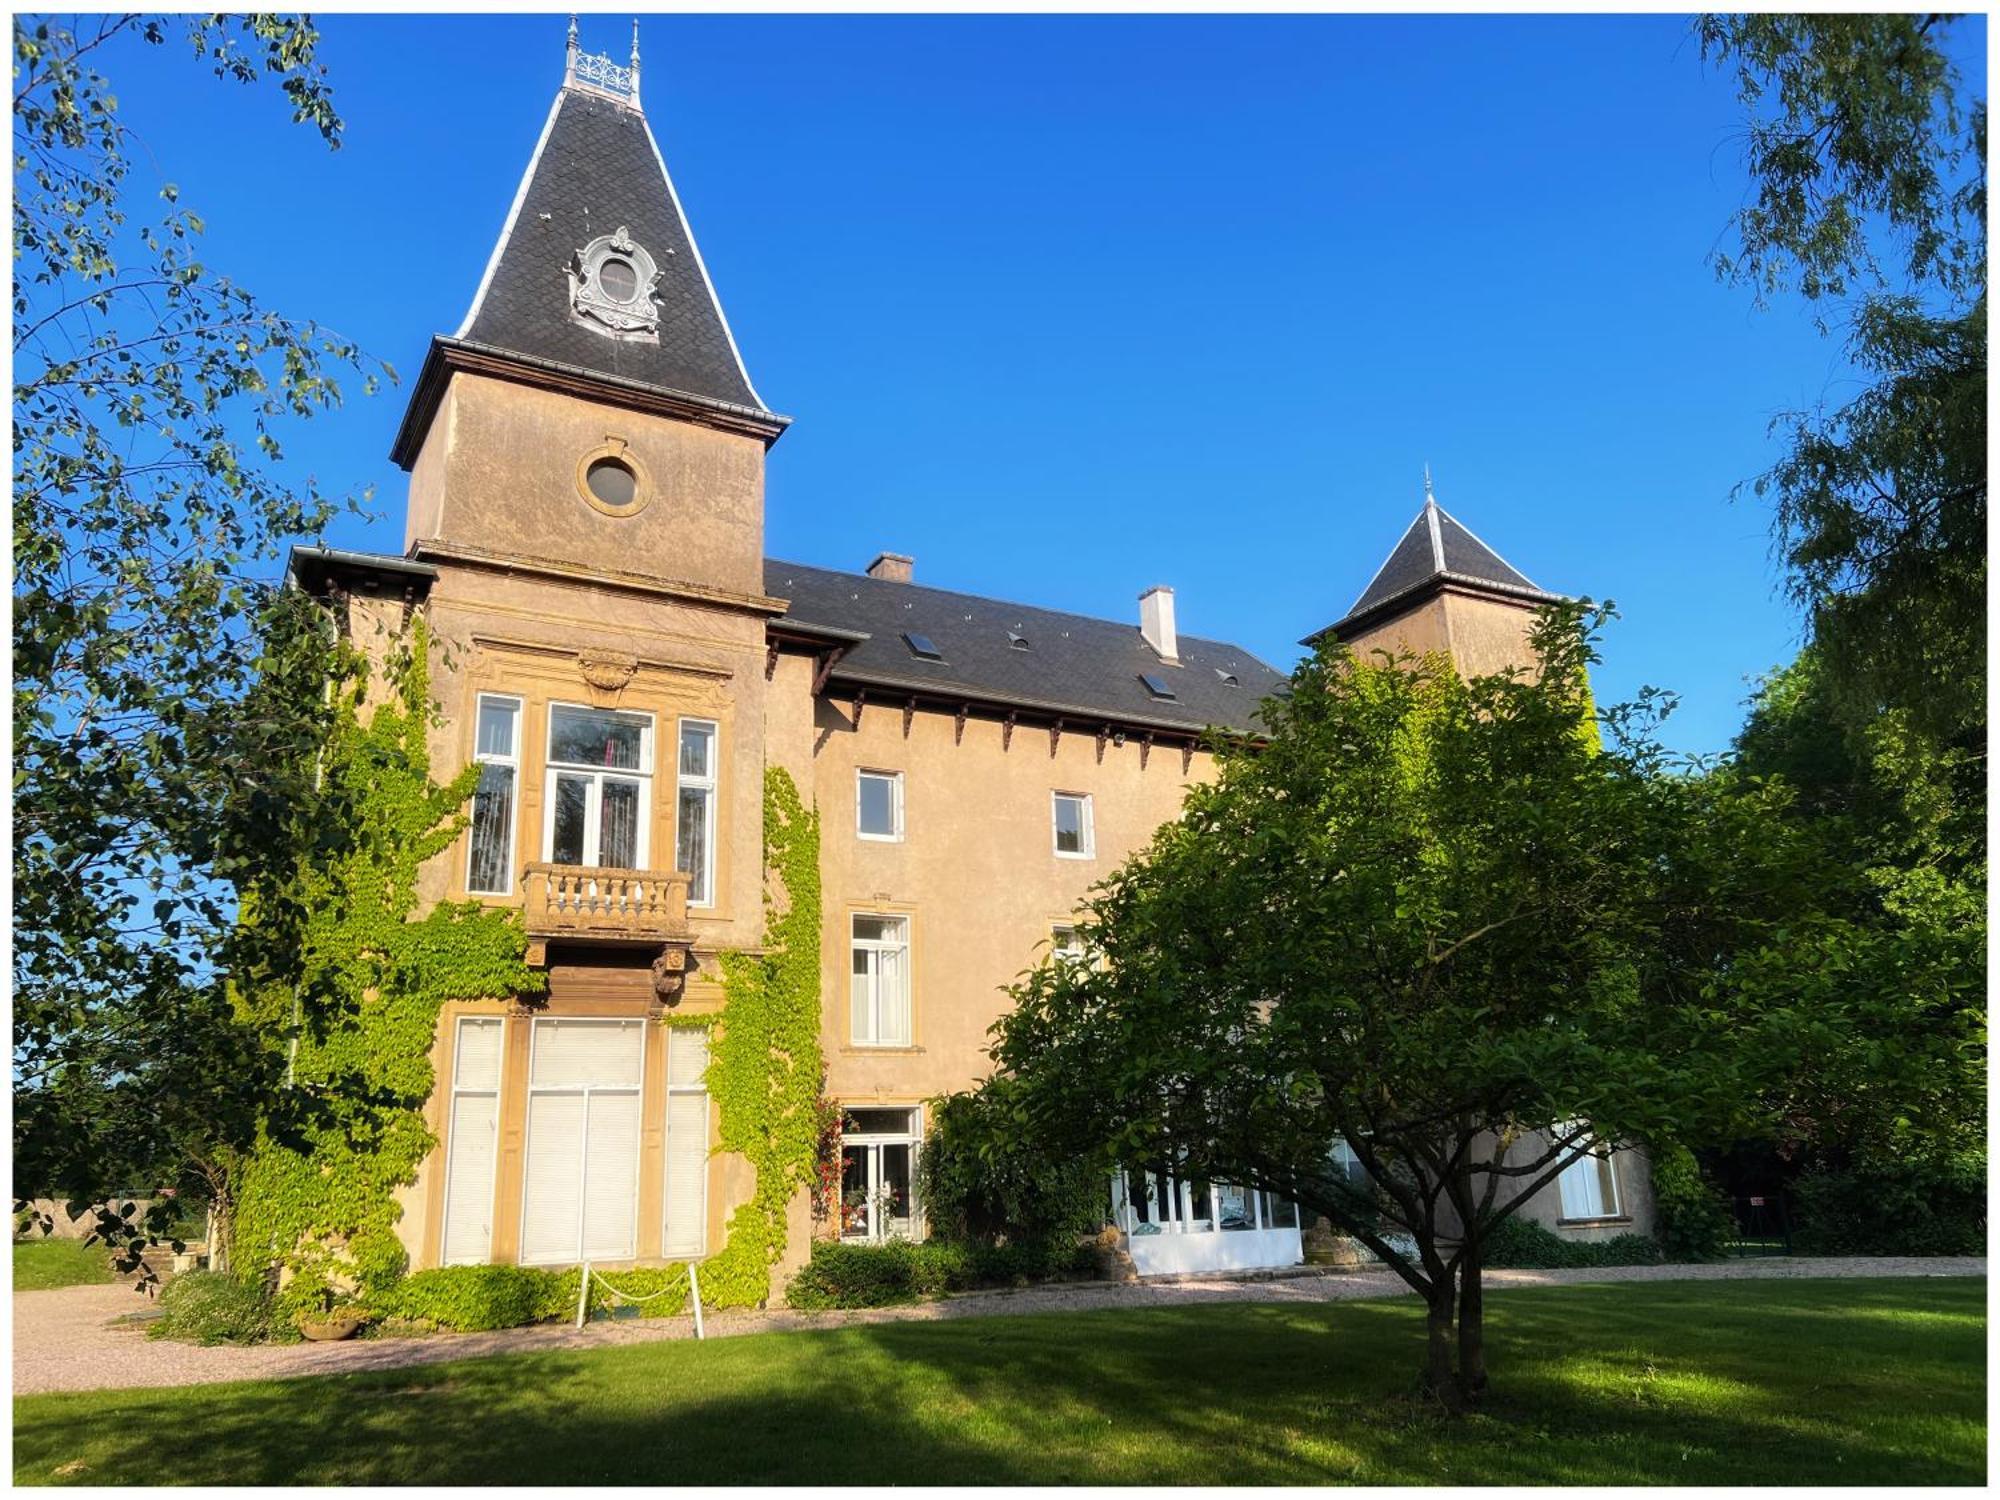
(552, 1180)
(854, 1217)
(878, 929)
(572, 802)
(878, 805)
(611, 1177)
(586, 1054)
(691, 852)
(618, 824)
(498, 721)
(595, 737)
(492, 832)
(1069, 825)
(878, 1122)
(862, 996)
(697, 750)
(476, 1064)
(1582, 1193)
(1232, 1208)
(687, 1055)
(892, 998)
(687, 1172)
(894, 1194)
(1280, 1213)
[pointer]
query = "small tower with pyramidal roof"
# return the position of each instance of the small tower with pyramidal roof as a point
(592, 407)
(1443, 589)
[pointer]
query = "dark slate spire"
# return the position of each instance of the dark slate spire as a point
(1437, 550)
(596, 269)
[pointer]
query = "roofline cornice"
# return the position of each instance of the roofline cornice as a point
(952, 694)
(432, 552)
(1421, 593)
(449, 356)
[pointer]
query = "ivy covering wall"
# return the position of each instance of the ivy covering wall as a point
(315, 1198)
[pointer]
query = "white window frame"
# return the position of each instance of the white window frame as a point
(1600, 1163)
(895, 780)
(700, 1087)
(701, 883)
(1088, 826)
(583, 1141)
(513, 762)
(1072, 948)
(873, 946)
(458, 1091)
(593, 830)
(872, 1142)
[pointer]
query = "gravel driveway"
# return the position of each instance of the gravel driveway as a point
(68, 1340)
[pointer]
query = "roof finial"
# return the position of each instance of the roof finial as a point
(1429, 498)
(635, 60)
(569, 53)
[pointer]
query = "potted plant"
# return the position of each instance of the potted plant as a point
(333, 1322)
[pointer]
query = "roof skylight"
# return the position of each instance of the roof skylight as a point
(1157, 686)
(922, 646)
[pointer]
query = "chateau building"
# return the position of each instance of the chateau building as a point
(585, 543)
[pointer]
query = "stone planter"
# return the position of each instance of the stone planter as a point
(333, 1327)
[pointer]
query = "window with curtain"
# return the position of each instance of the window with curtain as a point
(878, 1153)
(694, 842)
(600, 778)
(881, 990)
(471, 1133)
(687, 1142)
(497, 748)
(1589, 1185)
(580, 1189)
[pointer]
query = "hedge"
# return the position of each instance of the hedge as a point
(473, 1299)
(1526, 1245)
(1910, 1208)
(212, 1307)
(1694, 1218)
(844, 1275)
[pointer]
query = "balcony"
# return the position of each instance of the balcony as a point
(594, 904)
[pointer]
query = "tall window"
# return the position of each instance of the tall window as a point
(497, 747)
(1065, 943)
(1589, 1185)
(1075, 838)
(580, 1189)
(878, 1149)
(878, 805)
(694, 846)
(471, 1136)
(600, 780)
(687, 1142)
(881, 997)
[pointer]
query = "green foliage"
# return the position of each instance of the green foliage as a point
(765, 1068)
(980, 1179)
(315, 1199)
(472, 1299)
(150, 395)
(844, 1275)
(1691, 1216)
(210, 1307)
(1914, 1207)
(1868, 183)
(1526, 1244)
(41, 1265)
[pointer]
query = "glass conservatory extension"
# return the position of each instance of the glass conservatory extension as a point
(1175, 1225)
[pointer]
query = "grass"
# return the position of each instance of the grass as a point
(1752, 1382)
(41, 1265)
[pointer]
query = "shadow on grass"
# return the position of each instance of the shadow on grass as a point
(1739, 1382)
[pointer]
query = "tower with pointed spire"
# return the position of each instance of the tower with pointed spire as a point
(1442, 589)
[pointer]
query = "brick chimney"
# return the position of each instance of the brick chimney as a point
(892, 567)
(1156, 622)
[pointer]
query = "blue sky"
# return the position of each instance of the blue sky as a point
(1066, 306)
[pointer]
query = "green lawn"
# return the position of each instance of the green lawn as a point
(41, 1264)
(1793, 1382)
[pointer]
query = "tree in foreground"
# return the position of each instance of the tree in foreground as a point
(150, 395)
(1442, 921)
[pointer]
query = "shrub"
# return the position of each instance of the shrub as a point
(473, 1299)
(843, 1275)
(1904, 1208)
(212, 1307)
(982, 1179)
(1524, 1244)
(1693, 1216)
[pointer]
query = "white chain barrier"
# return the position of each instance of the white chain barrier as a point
(583, 1295)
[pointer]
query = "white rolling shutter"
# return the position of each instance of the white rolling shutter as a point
(471, 1141)
(580, 1196)
(687, 1143)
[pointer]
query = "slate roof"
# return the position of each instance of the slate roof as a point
(1438, 549)
(595, 168)
(1072, 663)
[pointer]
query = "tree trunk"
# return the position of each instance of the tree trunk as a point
(1439, 1379)
(1471, 1326)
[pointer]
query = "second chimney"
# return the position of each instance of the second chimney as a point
(1156, 621)
(892, 567)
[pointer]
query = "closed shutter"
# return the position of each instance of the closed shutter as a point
(580, 1193)
(471, 1143)
(687, 1143)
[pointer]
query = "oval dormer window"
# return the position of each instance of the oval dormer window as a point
(611, 283)
(611, 480)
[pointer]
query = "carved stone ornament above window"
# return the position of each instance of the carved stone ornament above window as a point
(606, 673)
(611, 283)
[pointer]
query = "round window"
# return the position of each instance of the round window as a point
(612, 481)
(618, 280)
